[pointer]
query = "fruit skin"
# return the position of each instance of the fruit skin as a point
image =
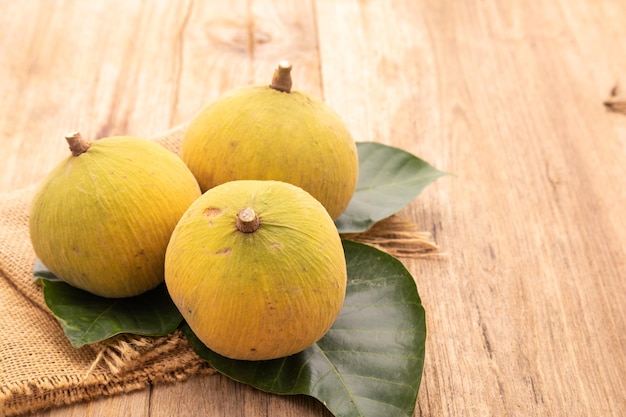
(260, 295)
(101, 220)
(260, 133)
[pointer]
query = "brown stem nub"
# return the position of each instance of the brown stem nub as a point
(247, 220)
(281, 80)
(77, 144)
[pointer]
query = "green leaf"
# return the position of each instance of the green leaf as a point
(389, 179)
(370, 363)
(87, 318)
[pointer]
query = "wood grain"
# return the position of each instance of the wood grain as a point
(525, 309)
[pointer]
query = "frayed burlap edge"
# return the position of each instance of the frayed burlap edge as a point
(177, 365)
(398, 237)
(127, 363)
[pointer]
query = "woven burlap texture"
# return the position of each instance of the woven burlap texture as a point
(40, 369)
(38, 366)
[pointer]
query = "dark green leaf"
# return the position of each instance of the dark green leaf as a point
(389, 179)
(370, 363)
(88, 318)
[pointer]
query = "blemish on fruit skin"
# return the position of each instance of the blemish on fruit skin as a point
(212, 212)
(224, 251)
(276, 245)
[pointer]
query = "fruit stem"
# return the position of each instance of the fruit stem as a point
(247, 220)
(78, 145)
(281, 80)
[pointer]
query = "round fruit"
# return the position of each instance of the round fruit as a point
(257, 269)
(273, 133)
(102, 218)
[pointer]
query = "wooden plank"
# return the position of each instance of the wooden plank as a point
(155, 68)
(524, 311)
(219, 396)
(104, 68)
(231, 44)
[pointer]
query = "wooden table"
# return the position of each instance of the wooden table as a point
(525, 311)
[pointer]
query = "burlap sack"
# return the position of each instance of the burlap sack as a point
(40, 369)
(38, 366)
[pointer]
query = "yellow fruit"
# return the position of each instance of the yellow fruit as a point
(257, 269)
(102, 218)
(272, 133)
